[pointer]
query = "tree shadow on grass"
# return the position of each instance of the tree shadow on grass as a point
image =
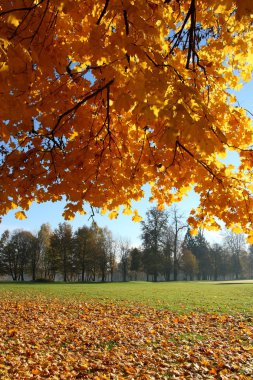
(249, 282)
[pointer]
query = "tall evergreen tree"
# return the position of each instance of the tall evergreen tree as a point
(135, 261)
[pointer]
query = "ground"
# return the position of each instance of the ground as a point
(126, 331)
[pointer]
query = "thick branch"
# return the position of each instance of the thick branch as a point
(103, 12)
(179, 34)
(126, 22)
(192, 37)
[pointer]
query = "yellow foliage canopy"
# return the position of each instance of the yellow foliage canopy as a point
(99, 98)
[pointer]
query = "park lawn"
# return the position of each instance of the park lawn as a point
(126, 331)
(219, 297)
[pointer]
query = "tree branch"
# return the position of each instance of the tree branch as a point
(79, 104)
(203, 164)
(103, 12)
(126, 22)
(21, 9)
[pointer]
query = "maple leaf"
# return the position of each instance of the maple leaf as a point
(136, 217)
(20, 215)
(113, 214)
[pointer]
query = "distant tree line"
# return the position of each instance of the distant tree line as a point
(168, 252)
(83, 255)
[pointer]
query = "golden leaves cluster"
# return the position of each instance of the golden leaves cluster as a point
(100, 98)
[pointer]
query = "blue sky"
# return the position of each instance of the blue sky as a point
(122, 226)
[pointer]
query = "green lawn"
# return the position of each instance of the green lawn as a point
(181, 297)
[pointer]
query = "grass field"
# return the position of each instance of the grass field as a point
(220, 297)
(135, 331)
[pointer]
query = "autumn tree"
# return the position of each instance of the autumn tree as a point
(44, 251)
(99, 98)
(189, 264)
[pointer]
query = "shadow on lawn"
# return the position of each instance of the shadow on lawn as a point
(250, 282)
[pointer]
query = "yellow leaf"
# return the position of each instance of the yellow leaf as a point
(194, 231)
(136, 217)
(3, 66)
(127, 211)
(83, 366)
(237, 230)
(13, 20)
(20, 215)
(250, 239)
(161, 207)
(73, 135)
(222, 155)
(233, 98)
(113, 214)
(103, 211)
(12, 332)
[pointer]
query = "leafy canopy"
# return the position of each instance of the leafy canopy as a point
(99, 98)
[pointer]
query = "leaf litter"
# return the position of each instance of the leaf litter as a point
(56, 339)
